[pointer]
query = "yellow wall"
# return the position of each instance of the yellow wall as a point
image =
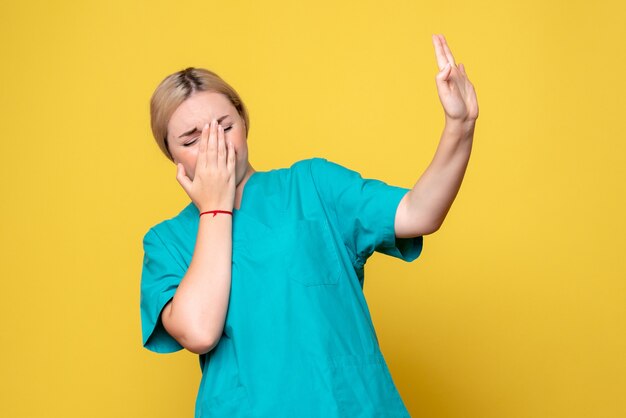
(516, 307)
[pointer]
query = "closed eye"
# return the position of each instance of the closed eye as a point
(194, 140)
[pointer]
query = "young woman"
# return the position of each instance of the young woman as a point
(262, 273)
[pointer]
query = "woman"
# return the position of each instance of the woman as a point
(262, 273)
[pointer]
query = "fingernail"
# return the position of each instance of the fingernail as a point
(206, 125)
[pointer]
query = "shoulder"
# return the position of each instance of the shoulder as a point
(171, 226)
(304, 167)
(300, 169)
(306, 164)
(319, 167)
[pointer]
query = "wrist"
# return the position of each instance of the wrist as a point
(460, 128)
(214, 213)
(204, 207)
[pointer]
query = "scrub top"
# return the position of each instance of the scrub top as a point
(298, 340)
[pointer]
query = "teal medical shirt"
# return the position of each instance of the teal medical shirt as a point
(298, 339)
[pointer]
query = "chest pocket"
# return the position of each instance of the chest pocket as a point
(302, 251)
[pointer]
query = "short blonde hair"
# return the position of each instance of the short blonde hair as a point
(178, 87)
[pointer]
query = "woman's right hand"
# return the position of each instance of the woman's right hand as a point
(213, 185)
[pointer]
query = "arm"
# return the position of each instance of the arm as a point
(423, 209)
(195, 316)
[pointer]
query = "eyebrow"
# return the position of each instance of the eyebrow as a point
(195, 129)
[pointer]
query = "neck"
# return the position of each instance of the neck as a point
(240, 186)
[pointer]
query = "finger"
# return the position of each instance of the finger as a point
(212, 151)
(204, 139)
(442, 79)
(231, 161)
(462, 69)
(221, 147)
(442, 60)
(182, 177)
(447, 50)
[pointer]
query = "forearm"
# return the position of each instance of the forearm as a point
(200, 304)
(431, 197)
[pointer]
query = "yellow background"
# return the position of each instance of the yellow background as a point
(516, 307)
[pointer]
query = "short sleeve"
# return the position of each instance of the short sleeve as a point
(160, 277)
(364, 210)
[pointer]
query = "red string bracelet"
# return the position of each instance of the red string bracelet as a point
(215, 212)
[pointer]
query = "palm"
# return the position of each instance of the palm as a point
(456, 92)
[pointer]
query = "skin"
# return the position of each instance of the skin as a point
(423, 209)
(199, 109)
(214, 168)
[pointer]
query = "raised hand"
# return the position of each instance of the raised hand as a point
(456, 92)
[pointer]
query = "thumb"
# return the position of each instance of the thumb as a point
(442, 78)
(182, 178)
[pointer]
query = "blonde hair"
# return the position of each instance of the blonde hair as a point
(178, 87)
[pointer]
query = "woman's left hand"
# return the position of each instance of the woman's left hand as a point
(455, 91)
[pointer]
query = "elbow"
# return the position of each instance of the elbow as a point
(432, 228)
(432, 224)
(199, 347)
(426, 228)
(415, 222)
(195, 338)
(199, 343)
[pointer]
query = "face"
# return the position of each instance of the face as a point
(185, 127)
